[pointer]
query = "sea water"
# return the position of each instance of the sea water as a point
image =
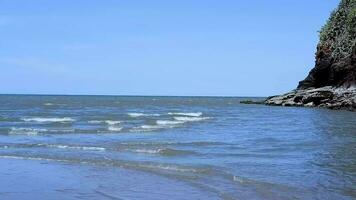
(117, 147)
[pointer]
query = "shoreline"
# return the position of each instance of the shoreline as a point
(36, 179)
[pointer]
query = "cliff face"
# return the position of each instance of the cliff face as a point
(332, 82)
(336, 51)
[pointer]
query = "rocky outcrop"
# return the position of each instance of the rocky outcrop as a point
(332, 82)
(325, 97)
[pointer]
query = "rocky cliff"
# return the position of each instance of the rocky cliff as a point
(332, 82)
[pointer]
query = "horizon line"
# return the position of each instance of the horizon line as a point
(130, 95)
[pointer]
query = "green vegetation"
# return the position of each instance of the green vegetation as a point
(339, 32)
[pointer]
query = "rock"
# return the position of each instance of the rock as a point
(310, 104)
(332, 82)
(326, 97)
(251, 102)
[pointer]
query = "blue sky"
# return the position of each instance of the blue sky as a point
(158, 47)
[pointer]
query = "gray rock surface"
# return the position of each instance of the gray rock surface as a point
(326, 97)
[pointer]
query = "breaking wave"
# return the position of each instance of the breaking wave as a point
(141, 114)
(49, 119)
(168, 122)
(114, 128)
(191, 119)
(74, 147)
(109, 122)
(25, 131)
(191, 114)
(162, 151)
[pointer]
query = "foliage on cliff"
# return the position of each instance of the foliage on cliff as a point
(339, 32)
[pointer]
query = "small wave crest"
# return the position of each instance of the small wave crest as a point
(114, 128)
(48, 119)
(189, 114)
(152, 127)
(145, 128)
(191, 119)
(141, 114)
(74, 147)
(109, 122)
(162, 151)
(172, 168)
(25, 131)
(148, 151)
(168, 122)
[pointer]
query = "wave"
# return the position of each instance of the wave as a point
(112, 122)
(114, 128)
(25, 131)
(26, 158)
(170, 168)
(191, 119)
(149, 151)
(48, 119)
(168, 122)
(95, 122)
(48, 104)
(142, 166)
(61, 130)
(109, 122)
(73, 147)
(141, 114)
(190, 114)
(163, 151)
(160, 125)
(152, 127)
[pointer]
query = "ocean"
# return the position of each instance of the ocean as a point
(123, 147)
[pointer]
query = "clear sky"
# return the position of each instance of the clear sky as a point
(158, 47)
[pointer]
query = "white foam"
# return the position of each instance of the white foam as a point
(171, 168)
(151, 127)
(191, 119)
(149, 151)
(145, 128)
(95, 122)
(48, 119)
(141, 114)
(168, 122)
(48, 104)
(114, 128)
(25, 158)
(32, 158)
(112, 122)
(109, 122)
(77, 147)
(25, 131)
(190, 114)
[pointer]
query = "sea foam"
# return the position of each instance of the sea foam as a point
(189, 114)
(76, 147)
(168, 122)
(48, 119)
(191, 119)
(141, 114)
(109, 122)
(114, 128)
(25, 131)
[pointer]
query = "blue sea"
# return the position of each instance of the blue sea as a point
(122, 147)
